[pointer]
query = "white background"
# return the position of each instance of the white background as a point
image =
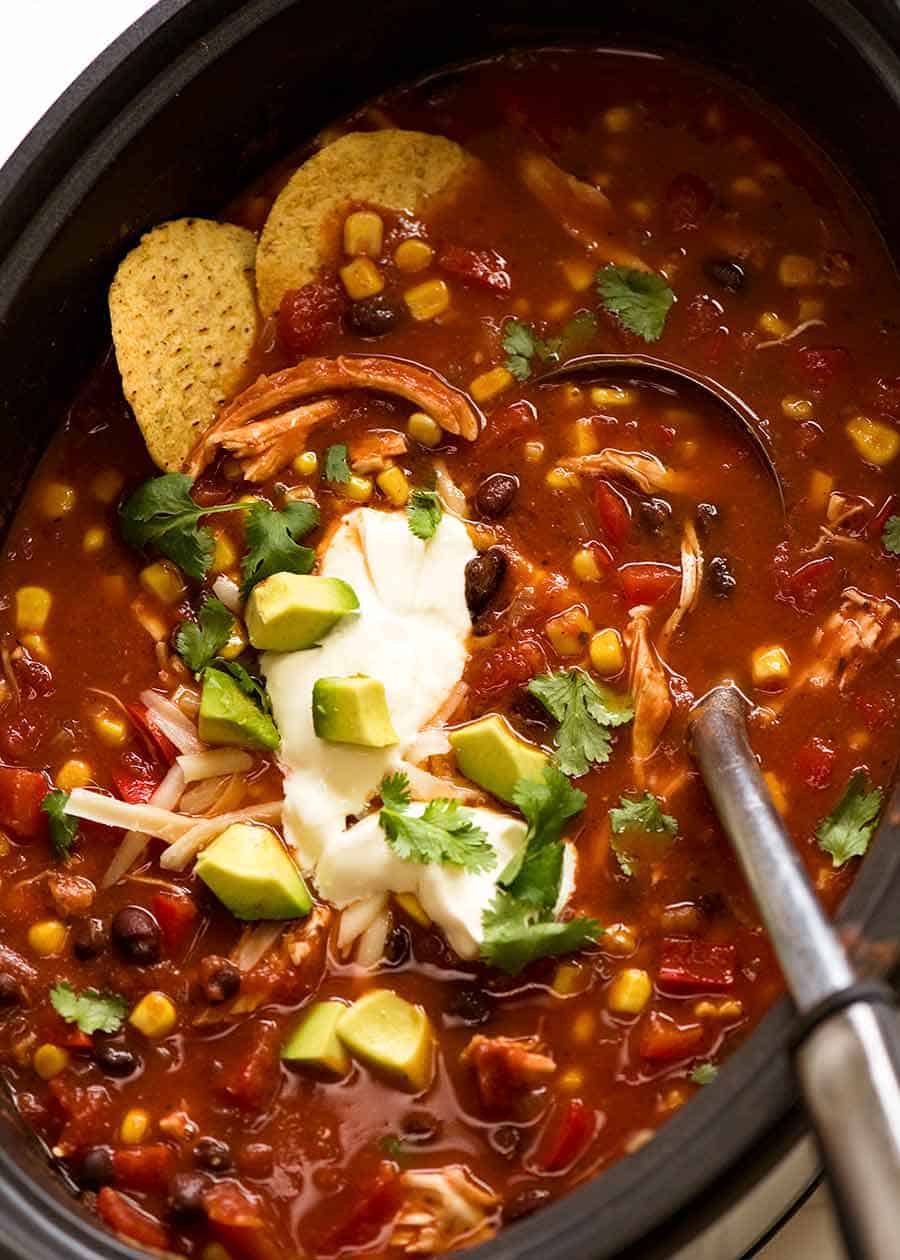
(45, 44)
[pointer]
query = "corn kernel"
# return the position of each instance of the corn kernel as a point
(770, 322)
(875, 441)
(583, 1027)
(746, 186)
(858, 740)
(134, 1127)
(570, 631)
(112, 731)
(363, 233)
(821, 485)
(730, 1008)
(427, 300)
(672, 1100)
(361, 279)
(5, 844)
(533, 452)
(163, 580)
(73, 773)
(562, 479)
(482, 536)
(154, 1015)
(797, 408)
(619, 939)
(607, 652)
(572, 395)
(421, 428)
(307, 464)
(47, 937)
(57, 499)
(776, 791)
(32, 607)
(771, 667)
(413, 255)
(618, 119)
(810, 308)
(796, 271)
(236, 644)
(107, 485)
(571, 1080)
(584, 437)
(705, 1009)
(579, 274)
(489, 384)
(410, 904)
(630, 992)
(95, 538)
(357, 488)
(394, 485)
(49, 1061)
(641, 209)
(37, 645)
(584, 565)
(224, 554)
(611, 396)
(232, 470)
(568, 978)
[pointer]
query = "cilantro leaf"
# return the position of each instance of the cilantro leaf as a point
(520, 344)
(444, 832)
(198, 644)
(63, 828)
(847, 830)
(91, 1010)
(424, 513)
(515, 935)
(890, 536)
(640, 300)
(162, 513)
(704, 1074)
(249, 685)
(272, 541)
(579, 329)
(585, 711)
(547, 804)
(393, 1148)
(643, 814)
(337, 466)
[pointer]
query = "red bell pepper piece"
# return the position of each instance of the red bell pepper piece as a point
(568, 1137)
(647, 583)
(484, 268)
(688, 966)
(811, 581)
(21, 794)
(505, 424)
(176, 916)
(144, 1167)
(613, 512)
(662, 1039)
(378, 1205)
(135, 779)
(815, 762)
(507, 668)
(124, 1217)
(158, 744)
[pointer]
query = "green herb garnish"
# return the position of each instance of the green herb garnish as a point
(704, 1074)
(90, 1009)
(847, 830)
(424, 513)
(890, 535)
(249, 685)
(272, 541)
(522, 345)
(162, 514)
(198, 643)
(444, 832)
(585, 712)
(644, 814)
(63, 828)
(640, 300)
(337, 466)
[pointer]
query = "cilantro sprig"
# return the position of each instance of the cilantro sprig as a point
(639, 300)
(273, 541)
(704, 1073)
(424, 513)
(848, 829)
(198, 643)
(63, 828)
(514, 936)
(162, 514)
(337, 465)
(249, 685)
(91, 1010)
(444, 832)
(522, 345)
(585, 712)
(641, 815)
(890, 535)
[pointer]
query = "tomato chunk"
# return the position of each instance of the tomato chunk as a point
(507, 423)
(251, 1081)
(378, 1204)
(144, 1167)
(613, 512)
(123, 1216)
(820, 367)
(688, 966)
(136, 779)
(176, 916)
(235, 1217)
(21, 794)
(815, 762)
(647, 583)
(307, 316)
(662, 1039)
(484, 268)
(568, 1136)
(158, 744)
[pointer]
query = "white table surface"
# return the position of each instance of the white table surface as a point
(46, 44)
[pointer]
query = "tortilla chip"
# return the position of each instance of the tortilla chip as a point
(399, 170)
(184, 321)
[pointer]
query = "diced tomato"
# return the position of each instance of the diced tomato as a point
(236, 1218)
(82, 1111)
(136, 779)
(688, 201)
(567, 1137)
(250, 1082)
(808, 585)
(176, 916)
(508, 423)
(815, 762)
(125, 1217)
(662, 1039)
(507, 668)
(688, 966)
(647, 583)
(158, 744)
(484, 268)
(21, 794)
(144, 1167)
(613, 512)
(378, 1204)
(307, 316)
(820, 367)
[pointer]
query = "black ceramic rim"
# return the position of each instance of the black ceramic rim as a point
(736, 1130)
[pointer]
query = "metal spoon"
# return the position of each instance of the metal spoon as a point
(847, 1051)
(643, 369)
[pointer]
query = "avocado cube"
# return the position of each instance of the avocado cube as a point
(491, 754)
(315, 1043)
(291, 611)
(229, 716)
(252, 874)
(352, 710)
(390, 1035)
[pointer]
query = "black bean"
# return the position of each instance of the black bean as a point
(96, 1168)
(654, 514)
(210, 1153)
(719, 577)
(726, 272)
(524, 1203)
(707, 516)
(506, 1140)
(116, 1060)
(471, 1005)
(89, 939)
(495, 494)
(373, 317)
(221, 979)
(396, 951)
(421, 1126)
(484, 573)
(136, 935)
(11, 993)
(186, 1191)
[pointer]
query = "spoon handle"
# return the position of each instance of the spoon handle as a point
(848, 1064)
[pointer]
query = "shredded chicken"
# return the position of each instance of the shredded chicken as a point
(691, 578)
(428, 391)
(649, 686)
(581, 210)
(73, 895)
(646, 472)
(373, 452)
(266, 446)
(444, 1210)
(847, 514)
(858, 630)
(795, 332)
(505, 1066)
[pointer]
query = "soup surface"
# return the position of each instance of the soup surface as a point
(453, 1020)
